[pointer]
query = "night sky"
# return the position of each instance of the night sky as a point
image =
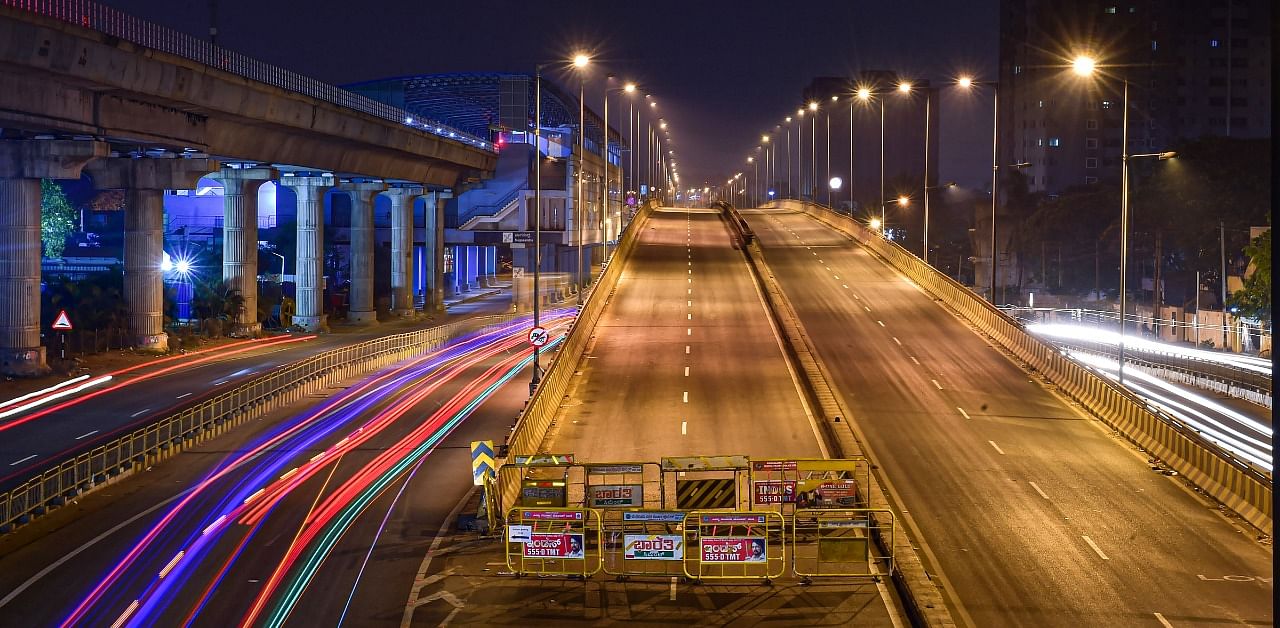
(722, 72)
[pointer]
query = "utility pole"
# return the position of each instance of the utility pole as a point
(1222, 246)
(213, 22)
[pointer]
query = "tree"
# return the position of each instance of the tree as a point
(1254, 300)
(57, 218)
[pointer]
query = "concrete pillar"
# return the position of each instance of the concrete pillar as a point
(144, 181)
(402, 199)
(361, 308)
(309, 269)
(433, 250)
(22, 164)
(240, 239)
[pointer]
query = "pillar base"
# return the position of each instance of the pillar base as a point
(23, 362)
(404, 313)
(158, 343)
(312, 323)
(362, 318)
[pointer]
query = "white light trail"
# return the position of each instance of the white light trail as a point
(1139, 344)
(58, 395)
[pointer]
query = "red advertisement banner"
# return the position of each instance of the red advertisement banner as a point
(733, 549)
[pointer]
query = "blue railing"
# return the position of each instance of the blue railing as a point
(104, 19)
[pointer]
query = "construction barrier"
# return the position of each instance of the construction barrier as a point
(553, 541)
(707, 483)
(1242, 486)
(615, 486)
(786, 485)
(842, 542)
(735, 545)
(644, 543)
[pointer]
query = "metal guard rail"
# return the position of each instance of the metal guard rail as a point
(104, 19)
(212, 417)
(1249, 492)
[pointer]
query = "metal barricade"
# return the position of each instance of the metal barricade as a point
(615, 486)
(842, 542)
(785, 485)
(706, 483)
(735, 545)
(543, 481)
(559, 541)
(644, 543)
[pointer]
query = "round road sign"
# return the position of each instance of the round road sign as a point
(538, 336)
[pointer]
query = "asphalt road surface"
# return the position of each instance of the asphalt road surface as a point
(1035, 514)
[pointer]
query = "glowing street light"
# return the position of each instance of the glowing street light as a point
(1083, 65)
(581, 60)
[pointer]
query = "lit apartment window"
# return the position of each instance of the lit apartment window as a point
(1040, 141)
(1055, 142)
(1213, 43)
(1090, 180)
(1091, 142)
(1040, 104)
(1091, 163)
(1091, 124)
(1154, 46)
(1106, 104)
(1111, 10)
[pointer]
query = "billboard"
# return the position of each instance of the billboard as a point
(807, 493)
(653, 547)
(733, 549)
(553, 545)
(615, 495)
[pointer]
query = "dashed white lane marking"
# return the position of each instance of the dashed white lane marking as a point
(936, 384)
(18, 462)
(997, 447)
(965, 414)
(686, 371)
(686, 349)
(846, 286)
(220, 383)
(895, 339)
(688, 332)
(913, 359)
(691, 280)
(857, 297)
(86, 435)
(1163, 622)
(684, 428)
(1037, 487)
(690, 290)
(690, 271)
(183, 395)
(866, 308)
(686, 396)
(691, 304)
(1095, 547)
(690, 316)
(837, 277)
(135, 414)
(881, 323)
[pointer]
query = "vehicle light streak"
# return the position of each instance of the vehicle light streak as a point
(275, 473)
(1136, 343)
(42, 391)
(54, 396)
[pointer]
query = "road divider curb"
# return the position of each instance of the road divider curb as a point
(920, 594)
(1235, 483)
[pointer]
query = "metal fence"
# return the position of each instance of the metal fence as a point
(1242, 486)
(148, 445)
(105, 19)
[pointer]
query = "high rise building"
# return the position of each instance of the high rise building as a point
(1195, 68)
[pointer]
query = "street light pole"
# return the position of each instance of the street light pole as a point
(995, 182)
(828, 156)
(1124, 217)
(813, 152)
(789, 188)
(582, 160)
(928, 98)
(537, 219)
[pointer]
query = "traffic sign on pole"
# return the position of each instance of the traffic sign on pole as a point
(62, 322)
(538, 336)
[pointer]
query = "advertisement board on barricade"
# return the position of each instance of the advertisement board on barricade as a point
(735, 545)
(615, 496)
(617, 485)
(553, 541)
(842, 542)
(644, 543)
(785, 485)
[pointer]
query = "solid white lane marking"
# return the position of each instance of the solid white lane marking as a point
(684, 428)
(1163, 622)
(966, 414)
(1037, 487)
(135, 414)
(1095, 547)
(686, 371)
(993, 444)
(895, 339)
(913, 359)
(936, 384)
(686, 396)
(18, 462)
(86, 435)
(881, 323)
(184, 395)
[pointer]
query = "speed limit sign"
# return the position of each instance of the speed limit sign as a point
(538, 336)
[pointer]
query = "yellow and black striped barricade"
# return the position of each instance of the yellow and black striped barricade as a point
(560, 541)
(644, 543)
(706, 483)
(735, 545)
(612, 487)
(785, 485)
(845, 542)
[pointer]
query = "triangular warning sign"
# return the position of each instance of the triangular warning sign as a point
(62, 322)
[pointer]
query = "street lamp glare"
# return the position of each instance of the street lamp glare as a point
(965, 82)
(1168, 155)
(835, 98)
(1083, 65)
(800, 112)
(764, 138)
(788, 121)
(835, 183)
(581, 60)
(903, 200)
(875, 223)
(904, 87)
(629, 87)
(750, 159)
(813, 106)
(864, 93)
